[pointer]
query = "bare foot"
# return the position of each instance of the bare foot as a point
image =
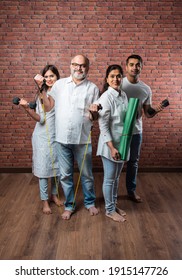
(66, 215)
(120, 211)
(116, 217)
(135, 197)
(56, 200)
(93, 211)
(46, 208)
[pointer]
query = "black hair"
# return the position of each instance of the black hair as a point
(54, 70)
(135, 56)
(109, 69)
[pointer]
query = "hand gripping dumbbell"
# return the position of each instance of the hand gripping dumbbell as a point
(164, 103)
(32, 105)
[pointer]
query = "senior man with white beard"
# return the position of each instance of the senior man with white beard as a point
(72, 97)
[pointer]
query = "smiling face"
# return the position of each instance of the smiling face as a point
(79, 68)
(50, 78)
(114, 79)
(133, 68)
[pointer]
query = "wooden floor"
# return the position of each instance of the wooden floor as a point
(153, 230)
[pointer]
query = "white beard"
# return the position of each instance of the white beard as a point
(78, 76)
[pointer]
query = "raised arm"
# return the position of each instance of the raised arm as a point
(150, 112)
(31, 113)
(48, 100)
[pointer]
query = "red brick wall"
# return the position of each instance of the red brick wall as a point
(34, 33)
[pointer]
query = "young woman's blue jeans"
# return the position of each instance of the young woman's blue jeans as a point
(43, 185)
(67, 153)
(132, 164)
(112, 171)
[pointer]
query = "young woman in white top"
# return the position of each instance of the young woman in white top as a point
(45, 161)
(111, 120)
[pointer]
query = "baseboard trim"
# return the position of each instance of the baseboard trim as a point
(97, 169)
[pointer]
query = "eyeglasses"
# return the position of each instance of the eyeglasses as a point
(76, 65)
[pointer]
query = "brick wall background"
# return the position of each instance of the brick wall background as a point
(34, 33)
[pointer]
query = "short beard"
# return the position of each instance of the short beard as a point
(77, 76)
